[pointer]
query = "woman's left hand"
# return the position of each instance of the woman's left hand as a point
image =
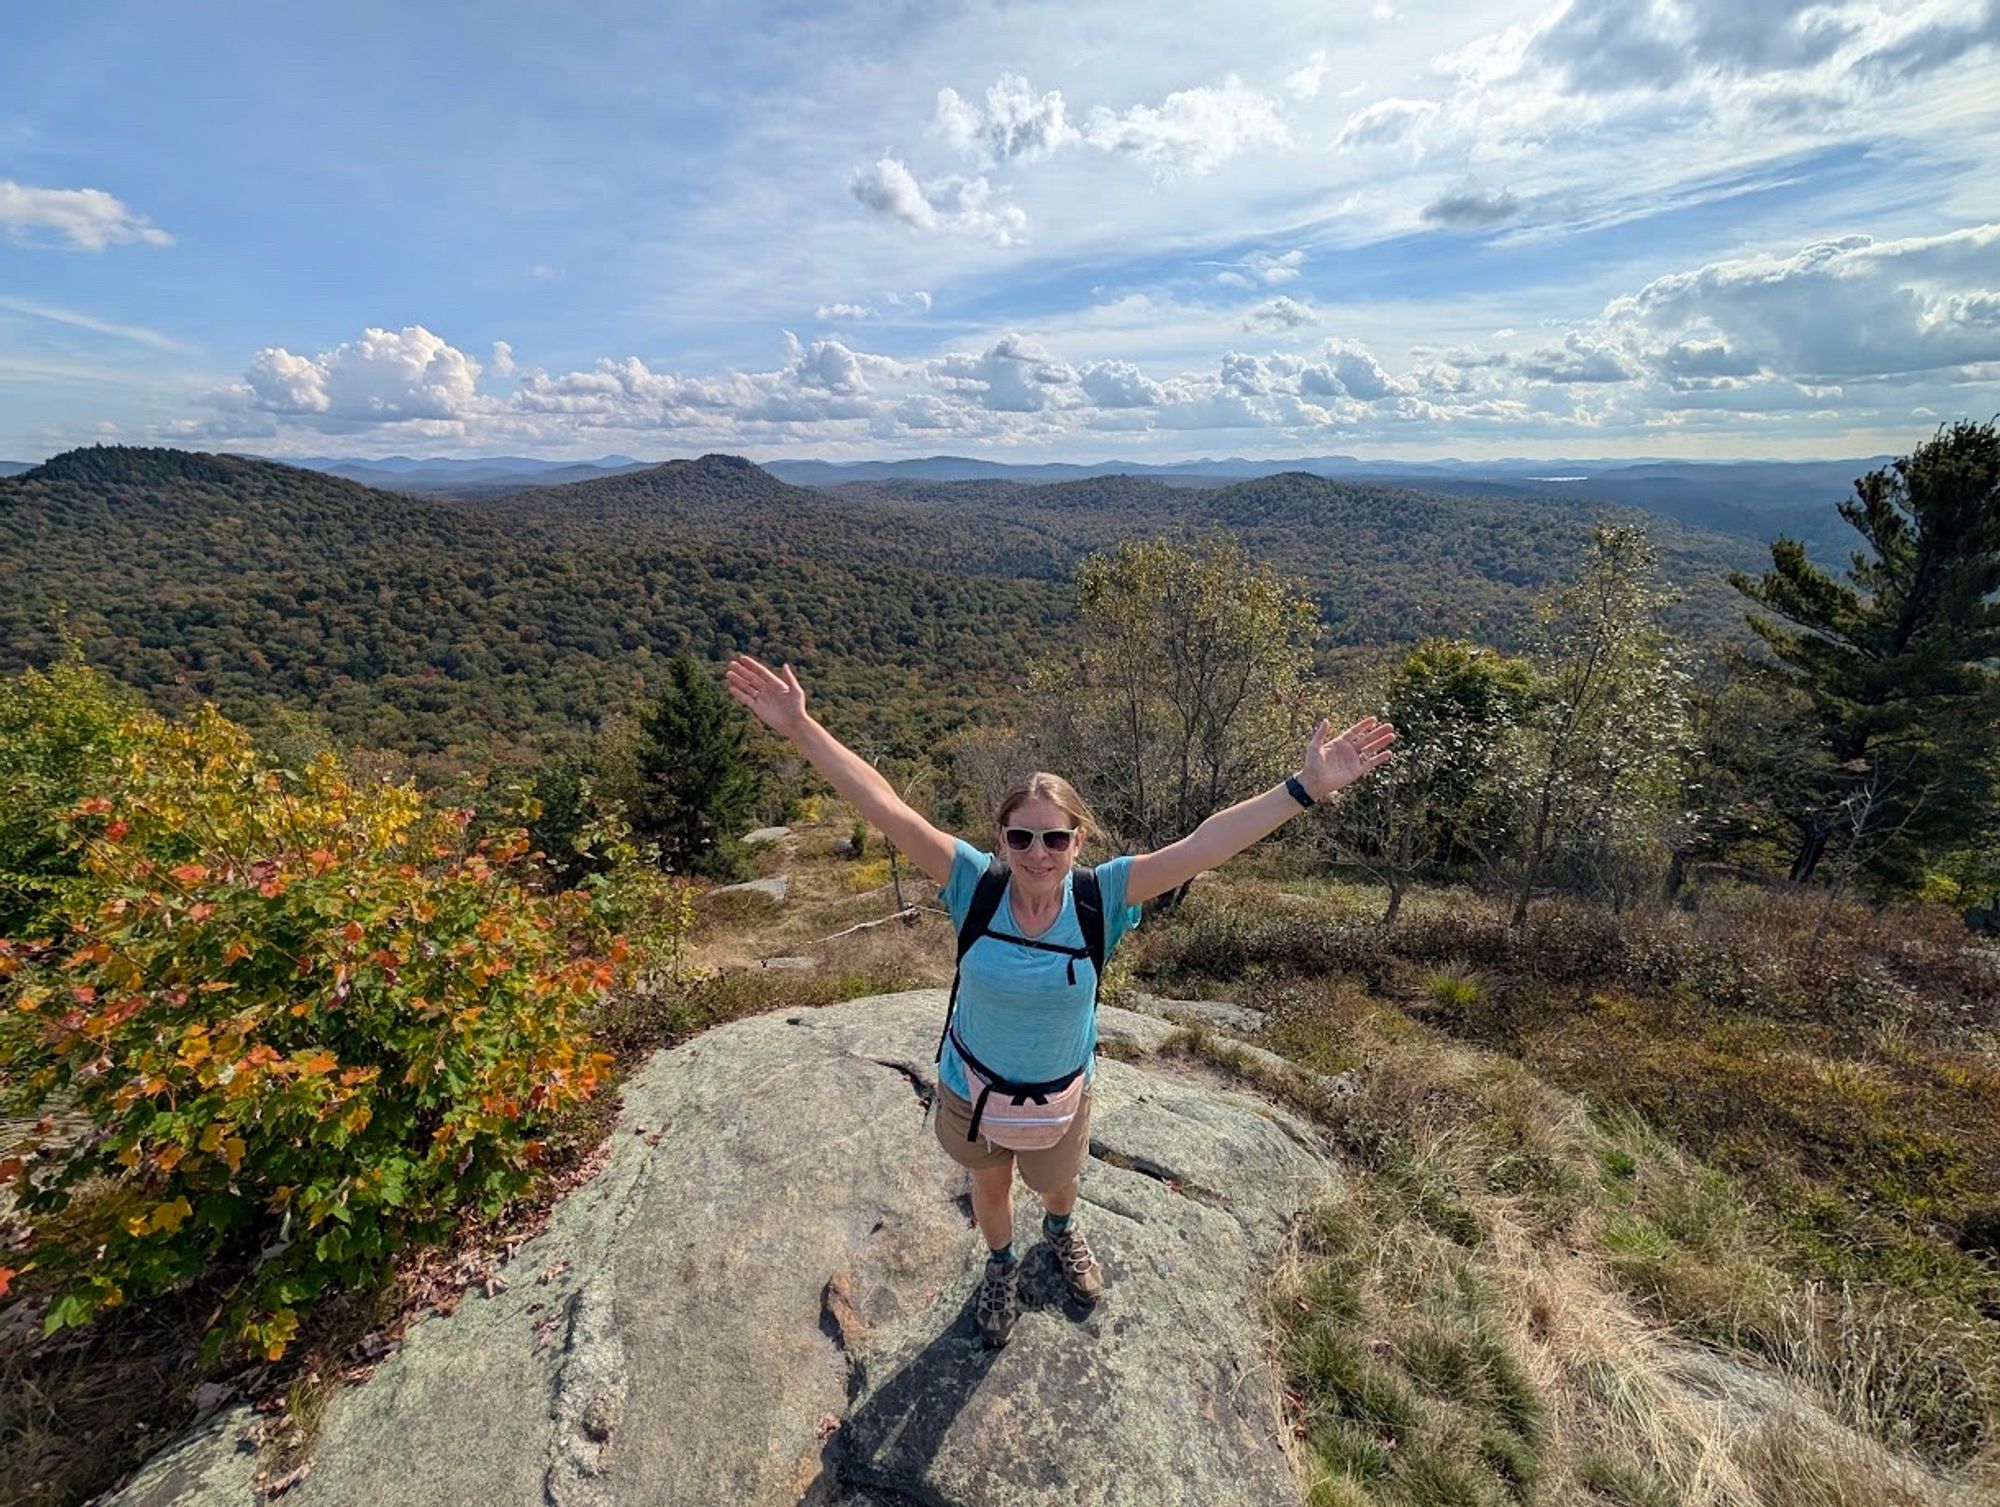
(1333, 762)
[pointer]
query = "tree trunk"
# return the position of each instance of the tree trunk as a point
(1811, 851)
(1395, 901)
(1676, 876)
(1518, 922)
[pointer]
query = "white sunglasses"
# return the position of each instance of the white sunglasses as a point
(1054, 840)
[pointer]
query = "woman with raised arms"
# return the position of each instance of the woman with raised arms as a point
(1016, 1057)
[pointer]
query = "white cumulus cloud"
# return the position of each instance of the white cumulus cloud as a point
(1304, 81)
(1120, 384)
(85, 219)
(962, 205)
(1280, 315)
(1192, 131)
(385, 376)
(1844, 309)
(1013, 375)
(1017, 123)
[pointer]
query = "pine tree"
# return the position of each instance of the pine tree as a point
(697, 783)
(1895, 664)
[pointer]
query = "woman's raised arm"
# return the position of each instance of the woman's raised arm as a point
(779, 702)
(1330, 764)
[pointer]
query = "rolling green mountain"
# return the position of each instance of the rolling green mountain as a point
(473, 630)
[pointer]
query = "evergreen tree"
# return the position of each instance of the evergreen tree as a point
(697, 785)
(1896, 664)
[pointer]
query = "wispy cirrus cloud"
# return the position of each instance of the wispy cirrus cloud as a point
(78, 319)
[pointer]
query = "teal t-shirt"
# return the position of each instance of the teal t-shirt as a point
(1017, 1011)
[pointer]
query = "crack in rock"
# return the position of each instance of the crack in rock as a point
(920, 1082)
(1148, 1167)
(586, 1400)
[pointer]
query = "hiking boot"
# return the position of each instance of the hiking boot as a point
(998, 1302)
(1080, 1272)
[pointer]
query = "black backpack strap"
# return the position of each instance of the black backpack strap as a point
(986, 896)
(1089, 898)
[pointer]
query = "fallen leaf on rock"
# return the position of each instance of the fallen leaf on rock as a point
(288, 1480)
(552, 1271)
(545, 1331)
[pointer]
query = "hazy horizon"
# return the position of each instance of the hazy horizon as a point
(1002, 458)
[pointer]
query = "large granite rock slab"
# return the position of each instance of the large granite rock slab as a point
(773, 1305)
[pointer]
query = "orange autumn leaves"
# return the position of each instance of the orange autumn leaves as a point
(308, 1018)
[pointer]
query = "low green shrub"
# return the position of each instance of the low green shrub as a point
(61, 729)
(304, 1021)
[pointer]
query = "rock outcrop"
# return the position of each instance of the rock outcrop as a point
(765, 1298)
(777, 887)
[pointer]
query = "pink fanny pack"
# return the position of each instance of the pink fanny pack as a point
(1019, 1116)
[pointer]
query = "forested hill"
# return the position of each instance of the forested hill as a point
(462, 630)
(1387, 564)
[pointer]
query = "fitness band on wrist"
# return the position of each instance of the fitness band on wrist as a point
(1298, 791)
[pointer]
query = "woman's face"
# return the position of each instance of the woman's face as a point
(1038, 867)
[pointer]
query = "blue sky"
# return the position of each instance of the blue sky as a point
(1029, 231)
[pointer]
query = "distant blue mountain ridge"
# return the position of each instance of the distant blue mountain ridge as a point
(1759, 499)
(1757, 485)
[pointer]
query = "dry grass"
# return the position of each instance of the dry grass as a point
(1443, 1295)
(1843, 1218)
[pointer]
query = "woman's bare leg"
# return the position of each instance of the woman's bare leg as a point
(993, 1204)
(1064, 1198)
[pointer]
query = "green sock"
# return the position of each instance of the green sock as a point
(1055, 1225)
(1005, 1255)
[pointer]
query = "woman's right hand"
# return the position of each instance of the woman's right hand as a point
(779, 702)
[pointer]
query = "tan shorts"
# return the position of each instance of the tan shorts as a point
(1045, 1171)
